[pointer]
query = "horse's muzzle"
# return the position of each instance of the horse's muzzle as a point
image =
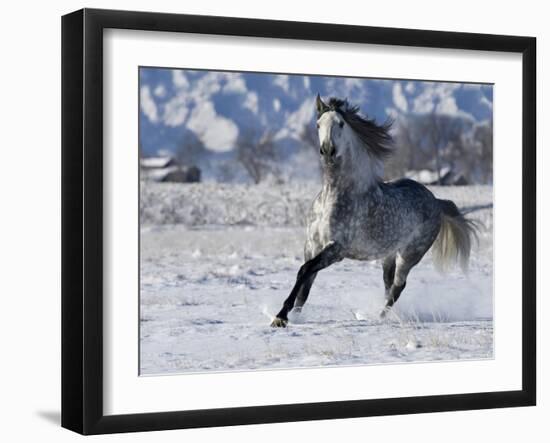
(328, 150)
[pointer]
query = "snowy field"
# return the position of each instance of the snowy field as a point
(217, 261)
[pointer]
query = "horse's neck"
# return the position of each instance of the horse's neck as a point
(346, 183)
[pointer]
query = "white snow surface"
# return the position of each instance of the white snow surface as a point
(217, 261)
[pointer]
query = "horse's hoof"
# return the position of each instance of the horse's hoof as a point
(279, 323)
(383, 313)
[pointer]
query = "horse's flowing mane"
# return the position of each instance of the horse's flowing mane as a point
(376, 138)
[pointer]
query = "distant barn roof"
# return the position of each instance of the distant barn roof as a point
(182, 174)
(156, 162)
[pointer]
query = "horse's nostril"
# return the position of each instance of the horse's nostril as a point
(327, 150)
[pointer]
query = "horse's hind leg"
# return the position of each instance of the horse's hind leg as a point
(402, 265)
(405, 260)
(388, 267)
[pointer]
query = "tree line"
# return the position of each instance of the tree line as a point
(432, 141)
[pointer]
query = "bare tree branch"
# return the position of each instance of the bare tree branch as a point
(257, 153)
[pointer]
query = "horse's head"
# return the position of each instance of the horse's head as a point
(334, 133)
(350, 143)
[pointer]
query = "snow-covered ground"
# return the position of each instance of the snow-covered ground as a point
(217, 261)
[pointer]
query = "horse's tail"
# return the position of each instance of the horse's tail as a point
(454, 242)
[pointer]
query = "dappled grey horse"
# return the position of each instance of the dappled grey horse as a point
(359, 216)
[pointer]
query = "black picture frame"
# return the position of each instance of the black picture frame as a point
(82, 221)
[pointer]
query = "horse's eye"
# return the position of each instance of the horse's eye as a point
(341, 124)
(317, 125)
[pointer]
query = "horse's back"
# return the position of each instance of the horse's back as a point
(407, 185)
(410, 195)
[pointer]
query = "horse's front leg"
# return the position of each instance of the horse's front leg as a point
(332, 253)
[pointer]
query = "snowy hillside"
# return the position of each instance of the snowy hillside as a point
(197, 204)
(183, 107)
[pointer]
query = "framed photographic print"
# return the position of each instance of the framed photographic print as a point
(270, 221)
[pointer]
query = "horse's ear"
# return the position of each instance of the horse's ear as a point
(320, 105)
